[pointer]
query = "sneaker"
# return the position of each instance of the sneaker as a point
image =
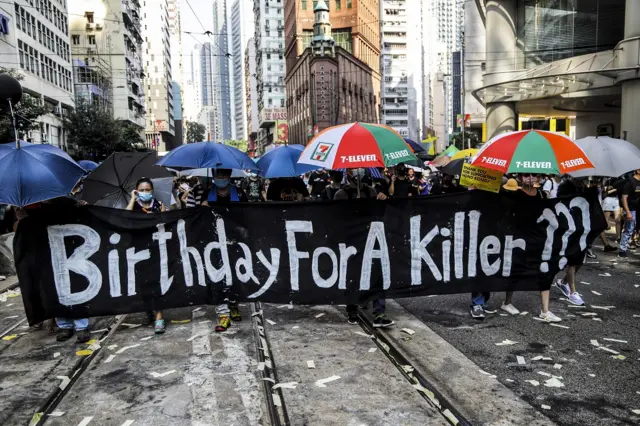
(352, 318)
(563, 287)
(549, 317)
(64, 334)
(591, 254)
(576, 299)
(510, 309)
(83, 336)
(159, 327)
(609, 249)
(382, 321)
(477, 312)
(623, 255)
(147, 319)
(223, 323)
(234, 311)
(488, 310)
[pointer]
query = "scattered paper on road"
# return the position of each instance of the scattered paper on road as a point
(635, 411)
(85, 421)
(271, 322)
(554, 383)
(614, 340)
(102, 330)
(276, 400)
(295, 327)
(592, 375)
(506, 342)
(185, 321)
(546, 407)
(56, 414)
(590, 314)
(606, 274)
(10, 337)
(112, 347)
(363, 334)
(257, 313)
(132, 326)
(557, 366)
(322, 382)
(56, 354)
(620, 357)
(559, 326)
(320, 315)
(538, 358)
(269, 379)
(533, 382)
(596, 293)
(127, 348)
(64, 381)
(157, 375)
(544, 373)
(287, 385)
(128, 423)
(109, 358)
(595, 343)
(524, 313)
(611, 351)
(195, 336)
(409, 331)
(311, 364)
(372, 350)
(147, 338)
(584, 282)
(260, 366)
(84, 352)
(606, 308)
(521, 360)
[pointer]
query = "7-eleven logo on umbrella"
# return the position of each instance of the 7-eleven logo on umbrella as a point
(321, 153)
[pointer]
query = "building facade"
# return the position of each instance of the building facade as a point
(242, 31)
(160, 125)
(562, 66)
(250, 68)
(402, 66)
(223, 76)
(270, 69)
(35, 42)
(328, 85)
(192, 85)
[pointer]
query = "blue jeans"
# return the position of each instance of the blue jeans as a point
(627, 232)
(379, 307)
(479, 298)
(78, 324)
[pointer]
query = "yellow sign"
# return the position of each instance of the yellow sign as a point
(479, 178)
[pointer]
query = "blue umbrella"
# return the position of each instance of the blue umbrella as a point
(31, 173)
(88, 165)
(208, 155)
(417, 147)
(283, 162)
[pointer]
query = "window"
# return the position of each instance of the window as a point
(91, 39)
(89, 17)
(304, 4)
(338, 5)
(349, 4)
(282, 102)
(279, 33)
(268, 55)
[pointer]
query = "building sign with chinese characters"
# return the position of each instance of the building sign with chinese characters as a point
(160, 126)
(273, 114)
(282, 131)
(323, 95)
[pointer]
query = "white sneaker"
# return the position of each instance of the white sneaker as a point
(563, 287)
(576, 299)
(510, 309)
(549, 317)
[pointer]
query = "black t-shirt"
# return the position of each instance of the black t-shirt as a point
(286, 189)
(568, 187)
(632, 190)
(402, 189)
(318, 182)
(330, 192)
(253, 189)
(381, 186)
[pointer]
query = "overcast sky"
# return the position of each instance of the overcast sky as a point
(188, 21)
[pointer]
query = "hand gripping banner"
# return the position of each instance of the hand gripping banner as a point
(90, 261)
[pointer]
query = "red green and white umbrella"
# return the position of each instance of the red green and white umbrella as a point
(355, 145)
(532, 151)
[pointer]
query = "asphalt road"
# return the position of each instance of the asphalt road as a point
(597, 388)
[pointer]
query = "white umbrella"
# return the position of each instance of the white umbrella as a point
(208, 173)
(610, 157)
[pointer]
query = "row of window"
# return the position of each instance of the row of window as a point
(338, 4)
(43, 66)
(41, 33)
(51, 12)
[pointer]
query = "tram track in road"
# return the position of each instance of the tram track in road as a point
(274, 399)
(420, 383)
(5, 330)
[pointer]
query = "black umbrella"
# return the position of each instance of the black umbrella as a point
(453, 168)
(111, 183)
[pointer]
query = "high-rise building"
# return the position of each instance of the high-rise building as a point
(223, 76)
(402, 66)
(242, 30)
(193, 85)
(206, 74)
(175, 40)
(35, 42)
(270, 68)
(328, 85)
(160, 126)
(251, 82)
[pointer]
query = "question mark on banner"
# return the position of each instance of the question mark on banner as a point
(561, 209)
(583, 205)
(548, 215)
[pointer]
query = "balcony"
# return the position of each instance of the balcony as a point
(138, 119)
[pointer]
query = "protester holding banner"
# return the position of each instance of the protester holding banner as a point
(223, 192)
(336, 184)
(253, 188)
(318, 181)
(400, 186)
(142, 200)
(194, 192)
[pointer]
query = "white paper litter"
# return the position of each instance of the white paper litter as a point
(584, 282)
(590, 314)
(409, 331)
(611, 351)
(596, 293)
(576, 306)
(151, 337)
(295, 327)
(606, 274)
(56, 354)
(56, 414)
(85, 421)
(131, 325)
(592, 375)
(521, 360)
(606, 308)
(271, 322)
(554, 383)
(102, 330)
(538, 358)
(269, 379)
(533, 382)
(546, 407)
(372, 350)
(127, 347)
(506, 342)
(595, 343)
(614, 340)
(256, 314)
(109, 359)
(557, 366)
(64, 381)
(524, 313)
(559, 326)
(544, 373)
(509, 380)
(636, 285)
(157, 375)
(322, 382)
(260, 366)
(112, 347)
(282, 306)
(635, 411)
(128, 423)
(276, 400)
(287, 385)
(311, 364)
(320, 315)
(268, 363)
(363, 334)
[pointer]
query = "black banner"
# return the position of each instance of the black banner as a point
(90, 261)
